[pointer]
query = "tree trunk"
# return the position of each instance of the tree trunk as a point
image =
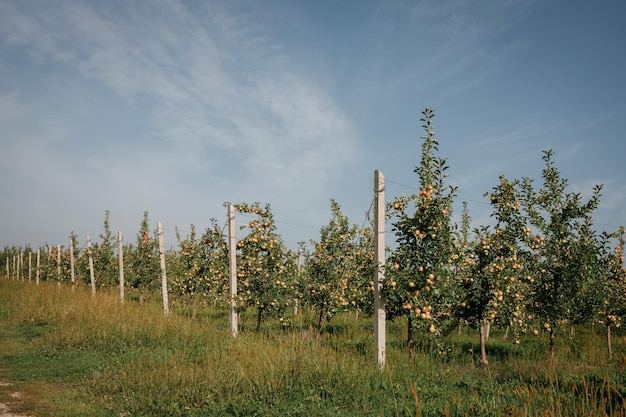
(141, 295)
(195, 304)
(410, 337)
(483, 351)
(321, 320)
(259, 317)
(552, 342)
(608, 341)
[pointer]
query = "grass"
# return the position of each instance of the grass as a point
(71, 355)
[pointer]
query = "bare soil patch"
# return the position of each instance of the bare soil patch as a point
(4, 408)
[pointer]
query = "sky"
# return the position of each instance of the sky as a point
(175, 107)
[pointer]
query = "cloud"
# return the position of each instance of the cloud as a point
(207, 80)
(454, 45)
(165, 106)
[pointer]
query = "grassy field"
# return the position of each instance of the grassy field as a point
(71, 355)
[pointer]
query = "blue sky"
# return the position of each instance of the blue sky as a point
(175, 107)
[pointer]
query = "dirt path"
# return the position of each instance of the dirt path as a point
(4, 412)
(4, 409)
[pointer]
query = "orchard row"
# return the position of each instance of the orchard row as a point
(541, 264)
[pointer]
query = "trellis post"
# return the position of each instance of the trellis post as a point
(91, 272)
(232, 270)
(38, 261)
(166, 306)
(120, 258)
(379, 261)
(59, 262)
(72, 270)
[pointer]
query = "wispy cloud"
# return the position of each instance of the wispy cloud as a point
(209, 81)
(181, 101)
(462, 42)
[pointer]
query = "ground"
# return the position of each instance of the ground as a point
(4, 409)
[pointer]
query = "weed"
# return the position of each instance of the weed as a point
(75, 355)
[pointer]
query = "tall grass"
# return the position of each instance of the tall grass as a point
(89, 356)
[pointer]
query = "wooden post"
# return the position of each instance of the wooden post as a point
(91, 272)
(15, 266)
(19, 265)
(37, 272)
(166, 305)
(296, 302)
(232, 269)
(30, 264)
(72, 260)
(379, 261)
(59, 263)
(120, 257)
(8, 276)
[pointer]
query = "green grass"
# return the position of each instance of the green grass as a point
(71, 355)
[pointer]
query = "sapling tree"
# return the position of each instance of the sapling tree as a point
(360, 286)
(591, 268)
(461, 264)
(613, 309)
(47, 264)
(200, 267)
(103, 252)
(493, 288)
(186, 268)
(418, 272)
(76, 252)
(54, 263)
(214, 258)
(339, 268)
(265, 267)
(145, 271)
(558, 273)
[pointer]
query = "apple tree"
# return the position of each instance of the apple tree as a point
(558, 274)
(185, 269)
(417, 283)
(265, 267)
(104, 260)
(214, 261)
(339, 269)
(494, 288)
(144, 269)
(613, 310)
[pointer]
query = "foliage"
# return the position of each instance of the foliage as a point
(339, 270)
(200, 267)
(104, 259)
(214, 257)
(143, 271)
(418, 273)
(265, 267)
(559, 272)
(615, 290)
(613, 308)
(187, 268)
(494, 290)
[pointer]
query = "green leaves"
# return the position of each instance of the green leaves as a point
(265, 267)
(340, 268)
(418, 274)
